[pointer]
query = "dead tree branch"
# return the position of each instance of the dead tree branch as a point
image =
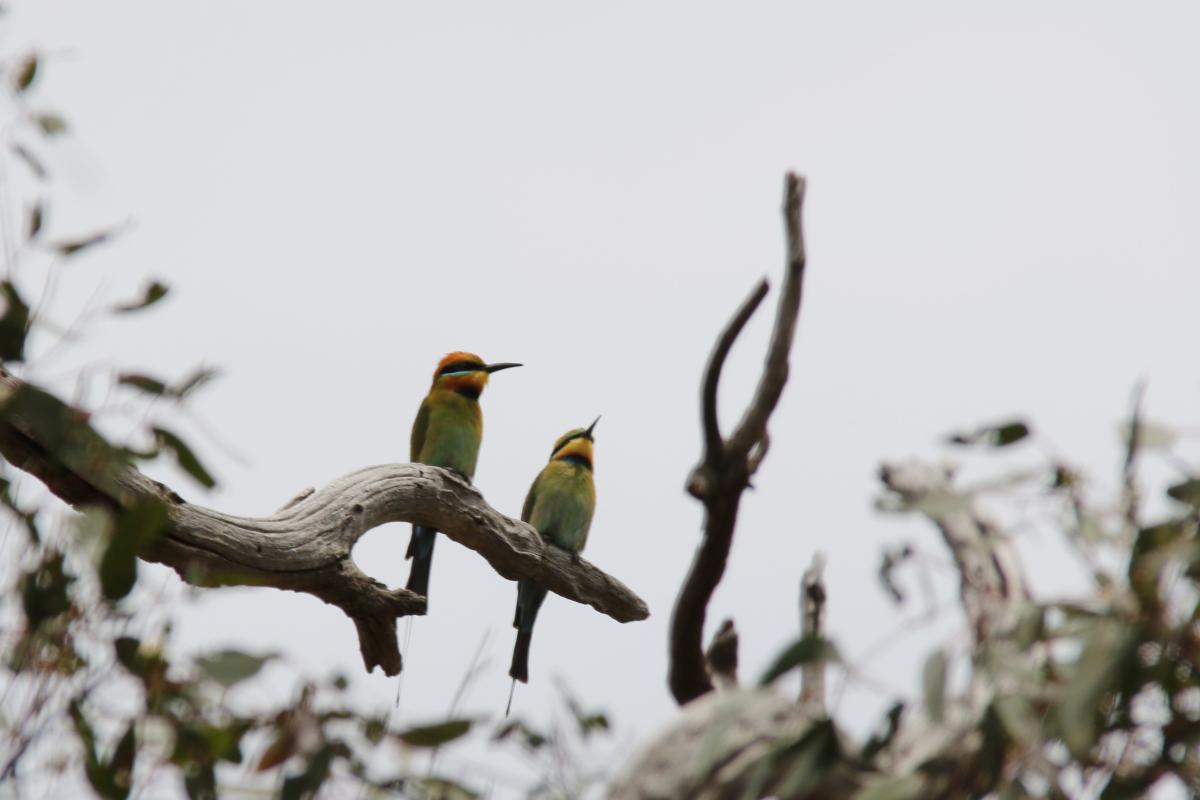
(306, 545)
(727, 465)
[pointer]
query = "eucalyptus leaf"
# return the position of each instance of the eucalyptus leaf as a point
(933, 680)
(435, 735)
(231, 667)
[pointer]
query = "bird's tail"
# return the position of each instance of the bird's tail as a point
(420, 550)
(529, 601)
(519, 671)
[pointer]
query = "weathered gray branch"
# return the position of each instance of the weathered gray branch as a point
(306, 545)
(726, 467)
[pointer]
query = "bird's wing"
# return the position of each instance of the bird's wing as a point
(530, 500)
(419, 428)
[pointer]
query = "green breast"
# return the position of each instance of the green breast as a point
(564, 499)
(453, 429)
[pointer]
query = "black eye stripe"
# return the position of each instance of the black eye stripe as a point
(567, 441)
(460, 366)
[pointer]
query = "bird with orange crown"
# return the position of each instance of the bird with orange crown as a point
(447, 433)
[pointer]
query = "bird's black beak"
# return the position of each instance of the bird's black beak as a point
(490, 368)
(590, 428)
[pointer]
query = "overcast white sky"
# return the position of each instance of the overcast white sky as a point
(1001, 219)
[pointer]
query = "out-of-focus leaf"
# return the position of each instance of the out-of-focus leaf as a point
(36, 218)
(70, 247)
(806, 650)
(230, 667)
(143, 383)
(893, 557)
(121, 763)
(1150, 435)
(136, 527)
(185, 457)
(883, 738)
(1107, 651)
(280, 751)
(150, 295)
(440, 788)
(306, 785)
(1186, 492)
(999, 435)
(903, 787)
(50, 123)
(26, 72)
(45, 590)
(65, 432)
(100, 775)
(31, 161)
(589, 722)
(194, 381)
(801, 766)
(933, 680)
(529, 737)
(14, 324)
(435, 735)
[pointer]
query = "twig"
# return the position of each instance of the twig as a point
(812, 624)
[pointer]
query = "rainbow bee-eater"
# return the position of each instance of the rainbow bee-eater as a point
(446, 433)
(559, 506)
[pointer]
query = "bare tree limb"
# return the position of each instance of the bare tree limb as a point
(306, 545)
(726, 466)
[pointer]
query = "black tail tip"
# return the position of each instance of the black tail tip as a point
(418, 579)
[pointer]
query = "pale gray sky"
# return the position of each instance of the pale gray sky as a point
(1001, 219)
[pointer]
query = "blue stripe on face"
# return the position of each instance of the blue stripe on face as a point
(459, 372)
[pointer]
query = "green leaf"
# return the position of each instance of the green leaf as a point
(70, 247)
(881, 740)
(135, 529)
(435, 735)
(933, 680)
(120, 766)
(441, 789)
(150, 295)
(14, 324)
(36, 218)
(1107, 651)
(307, 783)
(903, 787)
(1186, 492)
(185, 457)
(230, 667)
(26, 72)
(143, 383)
(45, 590)
(529, 737)
(806, 650)
(999, 435)
(31, 161)
(196, 380)
(50, 123)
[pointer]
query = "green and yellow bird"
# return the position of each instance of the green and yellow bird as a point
(447, 433)
(559, 506)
